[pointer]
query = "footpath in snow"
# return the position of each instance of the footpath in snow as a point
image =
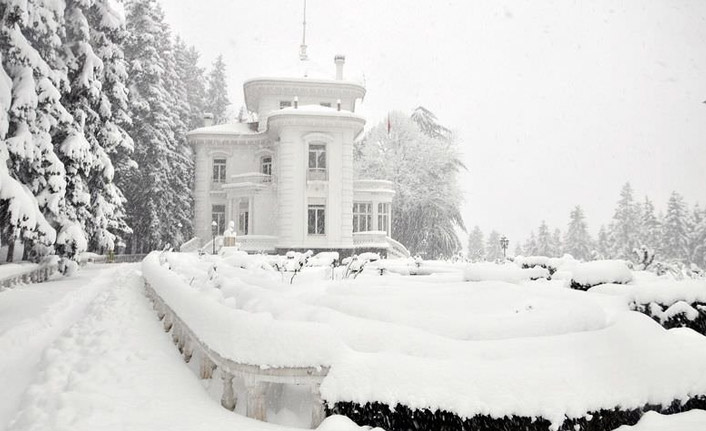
(31, 318)
(114, 368)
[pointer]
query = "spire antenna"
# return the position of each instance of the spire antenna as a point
(302, 48)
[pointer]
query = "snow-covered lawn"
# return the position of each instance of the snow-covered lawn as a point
(497, 348)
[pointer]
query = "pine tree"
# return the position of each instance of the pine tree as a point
(194, 82)
(148, 188)
(493, 249)
(544, 240)
(429, 125)
(675, 236)
(112, 143)
(30, 42)
(650, 227)
(625, 227)
(530, 247)
(557, 243)
(217, 101)
(476, 245)
(698, 239)
(577, 241)
(518, 249)
(603, 246)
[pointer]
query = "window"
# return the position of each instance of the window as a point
(218, 214)
(326, 104)
(317, 220)
(362, 217)
(266, 165)
(285, 104)
(243, 217)
(384, 217)
(317, 162)
(219, 170)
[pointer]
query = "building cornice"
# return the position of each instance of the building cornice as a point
(255, 88)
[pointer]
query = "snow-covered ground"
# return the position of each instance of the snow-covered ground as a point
(492, 347)
(87, 353)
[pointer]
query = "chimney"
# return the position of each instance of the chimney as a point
(340, 61)
(207, 119)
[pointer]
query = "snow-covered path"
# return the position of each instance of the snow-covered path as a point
(31, 318)
(90, 354)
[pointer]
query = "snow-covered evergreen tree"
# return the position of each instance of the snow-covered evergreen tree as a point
(424, 170)
(675, 235)
(30, 43)
(577, 241)
(217, 101)
(493, 249)
(603, 245)
(147, 188)
(544, 240)
(518, 249)
(429, 125)
(650, 227)
(530, 247)
(625, 228)
(112, 143)
(194, 82)
(476, 245)
(698, 238)
(557, 243)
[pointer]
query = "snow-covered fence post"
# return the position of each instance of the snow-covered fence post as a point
(229, 399)
(256, 400)
(318, 412)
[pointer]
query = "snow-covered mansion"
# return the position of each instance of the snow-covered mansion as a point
(287, 181)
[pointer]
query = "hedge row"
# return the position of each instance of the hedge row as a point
(402, 418)
(678, 320)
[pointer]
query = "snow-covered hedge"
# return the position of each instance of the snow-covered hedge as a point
(241, 336)
(672, 303)
(401, 417)
(508, 272)
(589, 274)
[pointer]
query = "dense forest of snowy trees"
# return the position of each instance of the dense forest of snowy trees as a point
(95, 100)
(677, 235)
(421, 157)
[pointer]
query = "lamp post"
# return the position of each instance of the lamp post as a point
(504, 242)
(214, 230)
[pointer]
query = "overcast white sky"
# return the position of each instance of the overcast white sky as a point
(555, 102)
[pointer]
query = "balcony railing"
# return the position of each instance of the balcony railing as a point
(317, 174)
(251, 178)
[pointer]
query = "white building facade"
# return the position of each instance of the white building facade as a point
(287, 181)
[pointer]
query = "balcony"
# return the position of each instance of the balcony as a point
(317, 174)
(251, 178)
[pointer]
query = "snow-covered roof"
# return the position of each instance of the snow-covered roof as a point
(226, 129)
(313, 70)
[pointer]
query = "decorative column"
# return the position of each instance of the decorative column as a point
(206, 367)
(318, 412)
(256, 400)
(229, 398)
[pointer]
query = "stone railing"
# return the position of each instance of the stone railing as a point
(256, 243)
(261, 385)
(191, 245)
(370, 239)
(251, 178)
(397, 249)
(37, 274)
(374, 185)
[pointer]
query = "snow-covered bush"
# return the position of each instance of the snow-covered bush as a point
(507, 272)
(589, 274)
